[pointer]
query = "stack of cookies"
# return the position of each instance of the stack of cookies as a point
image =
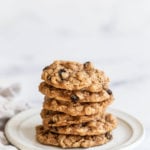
(74, 108)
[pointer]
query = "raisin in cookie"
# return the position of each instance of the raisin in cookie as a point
(76, 109)
(106, 124)
(75, 76)
(56, 119)
(70, 141)
(74, 96)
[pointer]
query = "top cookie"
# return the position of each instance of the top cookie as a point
(75, 76)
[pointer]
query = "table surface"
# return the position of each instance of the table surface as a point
(113, 35)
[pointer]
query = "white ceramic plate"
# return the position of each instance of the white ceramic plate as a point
(20, 131)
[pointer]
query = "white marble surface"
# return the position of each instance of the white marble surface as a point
(113, 34)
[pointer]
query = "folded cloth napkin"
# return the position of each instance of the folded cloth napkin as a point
(9, 106)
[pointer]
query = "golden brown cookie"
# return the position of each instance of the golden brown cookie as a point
(70, 141)
(76, 109)
(106, 124)
(51, 118)
(74, 96)
(74, 76)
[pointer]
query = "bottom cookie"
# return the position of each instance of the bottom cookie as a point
(69, 141)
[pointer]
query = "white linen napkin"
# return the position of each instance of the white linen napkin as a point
(9, 106)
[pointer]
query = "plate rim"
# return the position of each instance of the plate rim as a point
(116, 112)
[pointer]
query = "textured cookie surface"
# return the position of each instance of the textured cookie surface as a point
(106, 124)
(51, 118)
(74, 96)
(69, 141)
(76, 109)
(75, 76)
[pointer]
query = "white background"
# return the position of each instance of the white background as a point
(113, 34)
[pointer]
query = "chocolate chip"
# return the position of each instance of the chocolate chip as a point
(109, 91)
(108, 136)
(86, 64)
(74, 98)
(45, 68)
(84, 124)
(60, 73)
